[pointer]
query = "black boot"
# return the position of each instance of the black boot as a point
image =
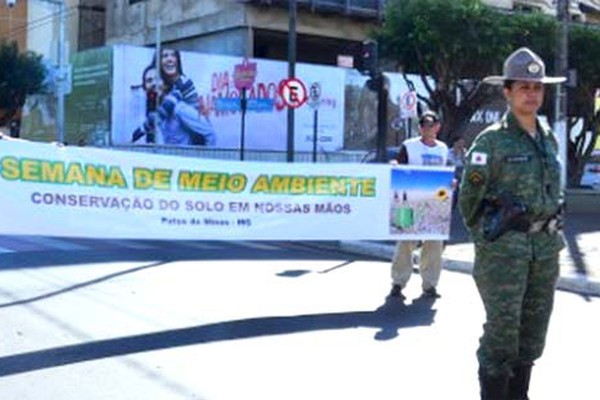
(493, 387)
(519, 383)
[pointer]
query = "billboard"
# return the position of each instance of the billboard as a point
(217, 100)
(111, 104)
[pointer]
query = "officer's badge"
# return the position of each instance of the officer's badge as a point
(475, 178)
(534, 68)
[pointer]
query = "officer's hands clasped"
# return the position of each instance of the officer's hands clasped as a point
(505, 213)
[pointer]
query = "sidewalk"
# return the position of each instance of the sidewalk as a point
(580, 260)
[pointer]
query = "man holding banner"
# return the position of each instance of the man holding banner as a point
(423, 150)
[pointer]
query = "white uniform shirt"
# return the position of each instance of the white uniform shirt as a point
(421, 154)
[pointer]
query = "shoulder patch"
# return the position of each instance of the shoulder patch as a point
(475, 178)
(478, 158)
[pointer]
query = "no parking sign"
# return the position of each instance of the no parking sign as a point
(408, 104)
(293, 92)
(314, 97)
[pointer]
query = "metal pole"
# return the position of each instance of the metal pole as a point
(158, 84)
(157, 81)
(561, 68)
(382, 96)
(291, 74)
(244, 106)
(315, 133)
(60, 93)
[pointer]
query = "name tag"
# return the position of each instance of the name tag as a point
(518, 159)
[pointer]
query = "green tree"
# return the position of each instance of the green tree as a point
(21, 74)
(584, 56)
(455, 43)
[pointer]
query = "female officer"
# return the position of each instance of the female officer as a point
(510, 198)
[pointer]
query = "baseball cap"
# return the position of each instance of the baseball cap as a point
(428, 117)
(523, 65)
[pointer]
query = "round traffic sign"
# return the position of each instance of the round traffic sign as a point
(409, 100)
(293, 92)
(314, 95)
(408, 104)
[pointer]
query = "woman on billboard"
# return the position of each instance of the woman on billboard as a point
(173, 112)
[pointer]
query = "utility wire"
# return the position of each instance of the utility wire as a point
(41, 22)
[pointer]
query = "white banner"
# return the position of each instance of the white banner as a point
(84, 192)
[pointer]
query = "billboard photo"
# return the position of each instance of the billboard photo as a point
(197, 102)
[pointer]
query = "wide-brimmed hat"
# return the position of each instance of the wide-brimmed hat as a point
(523, 65)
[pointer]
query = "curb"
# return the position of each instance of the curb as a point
(575, 283)
(580, 284)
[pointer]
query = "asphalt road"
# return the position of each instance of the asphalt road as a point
(250, 320)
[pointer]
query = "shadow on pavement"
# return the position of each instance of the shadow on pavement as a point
(167, 251)
(388, 318)
(76, 286)
(576, 224)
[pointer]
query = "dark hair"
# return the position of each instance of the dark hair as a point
(179, 66)
(148, 68)
(508, 83)
(428, 116)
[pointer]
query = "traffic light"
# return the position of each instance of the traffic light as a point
(369, 60)
(375, 83)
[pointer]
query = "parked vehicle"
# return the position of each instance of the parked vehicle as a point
(591, 175)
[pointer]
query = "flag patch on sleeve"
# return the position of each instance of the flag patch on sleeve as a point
(478, 158)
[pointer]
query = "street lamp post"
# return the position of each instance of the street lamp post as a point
(561, 68)
(291, 74)
(60, 87)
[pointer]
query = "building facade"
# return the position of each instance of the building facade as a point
(325, 29)
(258, 28)
(252, 28)
(35, 25)
(12, 19)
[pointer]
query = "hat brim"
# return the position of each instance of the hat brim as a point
(499, 80)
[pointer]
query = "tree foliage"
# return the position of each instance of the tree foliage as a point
(457, 43)
(584, 56)
(21, 74)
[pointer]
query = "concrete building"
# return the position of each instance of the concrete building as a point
(254, 28)
(35, 25)
(11, 19)
(258, 28)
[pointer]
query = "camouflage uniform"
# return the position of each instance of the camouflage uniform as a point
(515, 274)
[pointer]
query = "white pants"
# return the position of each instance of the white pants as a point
(430, 262)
